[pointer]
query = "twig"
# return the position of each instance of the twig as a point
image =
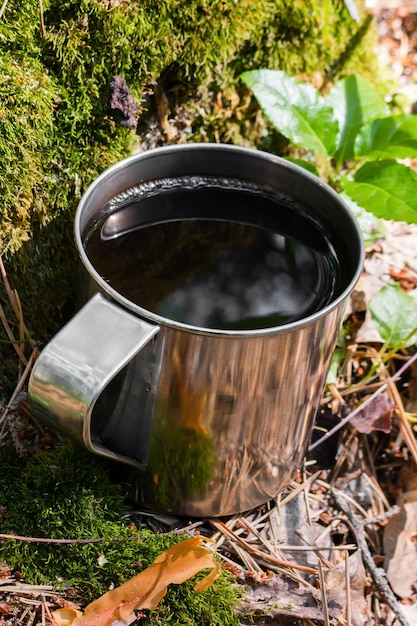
(403, 423)
(3, 8)
(65, 541)
(365, 403)
(267, 558)
(394, 510)
(348, 591)
(42, 23)
(298, 489)
(377, 573)
(14, 300)
(324, 602)
(315, 548)
(320, 560)
(184, 529)
(15, 343)
(19, 385)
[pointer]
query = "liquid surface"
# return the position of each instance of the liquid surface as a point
(214, 273)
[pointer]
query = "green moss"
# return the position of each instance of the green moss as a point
(66, 493)
(27, 101)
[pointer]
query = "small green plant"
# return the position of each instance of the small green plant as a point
(350, 137)
(352, 140)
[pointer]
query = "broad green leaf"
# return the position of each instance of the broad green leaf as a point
(305, 165)
(296, 109)
(393, 137)
(355, 103)
(385, 188)
(394, 313)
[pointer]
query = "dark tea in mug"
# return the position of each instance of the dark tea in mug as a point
(235, 256)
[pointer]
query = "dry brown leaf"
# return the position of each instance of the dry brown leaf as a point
(66, 616)
(375, 416)
(146, 590)
(281, 597)
(400, 546)
(352, 591)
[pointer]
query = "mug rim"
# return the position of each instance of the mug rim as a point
(162, 321)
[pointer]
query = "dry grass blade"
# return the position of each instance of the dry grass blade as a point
(15, 343)
(3, 8)
(260, 554)
(319, 564)
(383, 387)
(378, 574)
(14, 300)
(19, 385)
(402, 420)
(348, 591)
(42, 22)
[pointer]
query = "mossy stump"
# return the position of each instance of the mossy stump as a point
(179, 63)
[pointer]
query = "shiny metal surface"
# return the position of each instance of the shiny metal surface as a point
(72, 374)
(215, 422)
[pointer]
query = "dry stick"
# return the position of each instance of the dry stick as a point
(19, 385)
(377, 573)
(65, 541)
(365, 403)
(322, 579)
(14, 300)
(298, 489)
(43, 603)
(348, 591)
(3, 7)
(12, 338)
(403, 423)
(22, 327)
(350, 390)
(312, 546)
(324, 602)
(91, 540)
(394, 510)
(42, 23)
(296, 548)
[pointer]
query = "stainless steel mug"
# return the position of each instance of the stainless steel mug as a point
(213, 421)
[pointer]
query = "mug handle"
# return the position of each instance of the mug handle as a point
(79, 362)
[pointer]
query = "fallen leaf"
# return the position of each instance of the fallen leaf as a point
(146, 590)
(280, 597)
(66, 616)
(395, 315)
(336, 582)
(375, 416)
(400, 546)
(407, 281)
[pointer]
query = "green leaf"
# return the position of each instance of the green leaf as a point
(332, 374)
(355, 103)
(393, 137)
(304, 164)
(385, 188)
(394, 313)
(296, 110)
